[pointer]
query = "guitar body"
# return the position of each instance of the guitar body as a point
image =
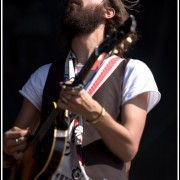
(51, 155)
(42, 157)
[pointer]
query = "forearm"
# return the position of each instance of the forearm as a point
(116, 137)
(122, 139)
(28, 117)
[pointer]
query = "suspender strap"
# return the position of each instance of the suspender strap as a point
(52, 87)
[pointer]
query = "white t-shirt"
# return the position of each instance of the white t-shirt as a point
(138, 79)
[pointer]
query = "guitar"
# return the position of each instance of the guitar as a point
(46, 149)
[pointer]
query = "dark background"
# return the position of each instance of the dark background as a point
(30, 31)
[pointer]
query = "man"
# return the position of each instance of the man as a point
(104, 137)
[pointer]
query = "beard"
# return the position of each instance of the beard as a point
(80, 20)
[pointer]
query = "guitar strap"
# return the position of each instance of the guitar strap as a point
(107, 68)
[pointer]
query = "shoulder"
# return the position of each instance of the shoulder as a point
(40, 74)
(138, 71)
(138, 78)
(42, 70)
(135, 65)
(34, 86)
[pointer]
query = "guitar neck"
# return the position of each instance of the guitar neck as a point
(81, 76)
(41, 132)
(48, 123)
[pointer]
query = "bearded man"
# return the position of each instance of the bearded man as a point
(104, 126)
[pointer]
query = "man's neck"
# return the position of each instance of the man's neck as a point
(84, 45)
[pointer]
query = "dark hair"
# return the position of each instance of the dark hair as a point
(122, 9)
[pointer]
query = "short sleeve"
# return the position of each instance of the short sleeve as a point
(33, 88)
(138, 79)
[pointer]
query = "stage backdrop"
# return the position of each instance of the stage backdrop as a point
(30, 31)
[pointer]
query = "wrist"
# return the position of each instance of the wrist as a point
(97, 118)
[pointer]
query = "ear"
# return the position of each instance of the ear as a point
(109, 13)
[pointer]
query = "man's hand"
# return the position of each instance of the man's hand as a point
(78, 101)
(14, 142)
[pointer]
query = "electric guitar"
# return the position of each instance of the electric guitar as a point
(46, 149)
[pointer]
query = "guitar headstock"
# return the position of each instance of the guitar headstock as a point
(120, 35)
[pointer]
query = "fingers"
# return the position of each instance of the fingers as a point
(74, 99)
(69, 93)
(14, 141)
(69, 97)
(63, 100)
(16, 132)
(15, 150)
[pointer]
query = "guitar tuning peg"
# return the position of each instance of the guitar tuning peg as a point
(122, 45)
(115, 51)
(129, 40)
